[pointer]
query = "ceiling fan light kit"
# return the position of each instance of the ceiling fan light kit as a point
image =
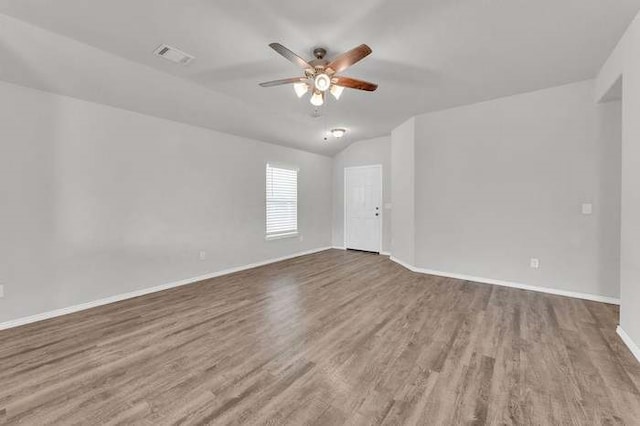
(317, 99)
(322, 82)
(320, 75)
(301, 89)
(336, 91)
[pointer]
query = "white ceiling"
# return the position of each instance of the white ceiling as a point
(427, 55)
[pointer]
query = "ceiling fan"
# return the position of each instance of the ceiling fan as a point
(320, 75)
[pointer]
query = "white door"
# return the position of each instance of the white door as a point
(363, 210)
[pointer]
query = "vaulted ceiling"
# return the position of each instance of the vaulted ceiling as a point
(427, 55)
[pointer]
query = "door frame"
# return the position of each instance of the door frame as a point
(344, 202)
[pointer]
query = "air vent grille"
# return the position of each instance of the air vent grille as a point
(174, 55)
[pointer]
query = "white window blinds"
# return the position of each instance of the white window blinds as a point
(282, 201)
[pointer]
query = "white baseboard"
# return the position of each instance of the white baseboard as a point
(117, 298)
(577, 295)
(403, 263)
(339, 247)
(635, 350)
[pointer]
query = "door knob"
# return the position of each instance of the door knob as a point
(377, 214)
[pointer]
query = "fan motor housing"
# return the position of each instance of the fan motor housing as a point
(319, 52)
(319, 63)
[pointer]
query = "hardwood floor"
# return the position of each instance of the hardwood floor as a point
(330, 338)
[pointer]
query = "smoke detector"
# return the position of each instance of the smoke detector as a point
(174, 55)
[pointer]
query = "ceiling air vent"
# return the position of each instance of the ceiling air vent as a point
(174, 55)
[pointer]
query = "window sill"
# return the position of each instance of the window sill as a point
(281, 236)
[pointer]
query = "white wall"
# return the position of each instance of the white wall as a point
(500, 182)
(98, 201)
(403, 192)
(624, 63)
(362, 153)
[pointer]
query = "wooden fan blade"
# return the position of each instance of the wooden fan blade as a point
(354, 83)
(349, 58)
(283, 81)
(288, 54)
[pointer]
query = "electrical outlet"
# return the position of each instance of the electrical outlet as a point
(534, 263)
(1, 291)
(203, 255)
(587, 208)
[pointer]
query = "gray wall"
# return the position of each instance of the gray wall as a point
(403, 192)
(362, 153)
(98, 201)
(500, 182)
(624, 64)
(630, 248)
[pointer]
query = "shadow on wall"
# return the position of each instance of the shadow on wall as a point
(610, 129)
(28, 184)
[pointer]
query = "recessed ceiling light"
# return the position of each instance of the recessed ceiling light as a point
(174, 55)
(338, 133)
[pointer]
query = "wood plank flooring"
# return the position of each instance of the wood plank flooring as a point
(330, 338)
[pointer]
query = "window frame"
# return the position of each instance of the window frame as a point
(286, 233)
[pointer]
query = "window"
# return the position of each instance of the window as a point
(282, 202)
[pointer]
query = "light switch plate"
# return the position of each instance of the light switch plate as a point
(534, 263)
(587, 208)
